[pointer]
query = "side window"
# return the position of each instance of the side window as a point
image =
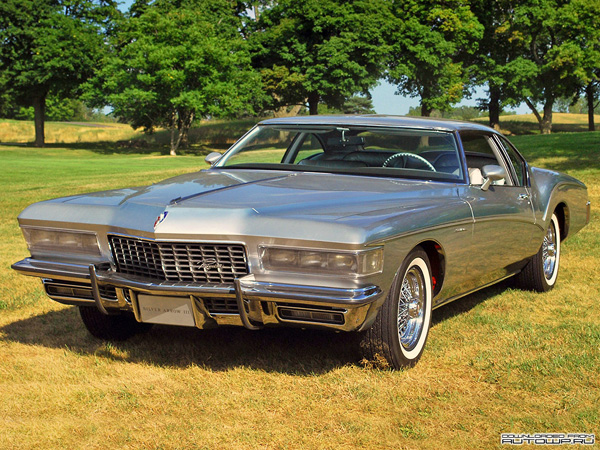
(516, 160)
(310, 147)
(479, 152)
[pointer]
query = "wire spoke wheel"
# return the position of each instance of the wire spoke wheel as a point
(541, 271)
(549, 252)
(397, 337)
(411, 308)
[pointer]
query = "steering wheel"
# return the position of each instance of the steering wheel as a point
(410, 155)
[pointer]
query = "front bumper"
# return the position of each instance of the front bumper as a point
(247, 302)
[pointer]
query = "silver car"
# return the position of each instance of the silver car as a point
(351, 223)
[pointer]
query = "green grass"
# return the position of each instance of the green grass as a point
(500, 360)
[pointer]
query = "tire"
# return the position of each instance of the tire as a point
(396, 339)
(111, 328)
(541, 271)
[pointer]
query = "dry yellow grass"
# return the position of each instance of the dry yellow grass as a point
(500, 360)
(527, 123)
(21, 132)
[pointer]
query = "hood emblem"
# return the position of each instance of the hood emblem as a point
(160, 219)
(209, 263)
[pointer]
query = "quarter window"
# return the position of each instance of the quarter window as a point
(516, 160)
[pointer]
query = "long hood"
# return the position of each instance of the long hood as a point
(300, 205)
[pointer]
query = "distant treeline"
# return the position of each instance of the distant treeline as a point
(166, 63)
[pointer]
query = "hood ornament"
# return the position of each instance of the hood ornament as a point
(160, 219)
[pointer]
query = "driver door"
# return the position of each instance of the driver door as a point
(504, 228)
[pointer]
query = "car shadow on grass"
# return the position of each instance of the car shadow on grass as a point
(293, 351)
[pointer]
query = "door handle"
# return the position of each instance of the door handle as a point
(523, 197)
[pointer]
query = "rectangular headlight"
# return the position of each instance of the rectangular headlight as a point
(360, 263)
(44, 240)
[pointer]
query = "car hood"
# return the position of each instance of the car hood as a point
(231, 203)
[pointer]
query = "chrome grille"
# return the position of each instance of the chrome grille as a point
(179, 262)
(221, 305)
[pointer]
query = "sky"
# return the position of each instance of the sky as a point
(385, 101)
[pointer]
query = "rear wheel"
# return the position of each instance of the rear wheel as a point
(111, 328)
(541, 271)
(398, 335)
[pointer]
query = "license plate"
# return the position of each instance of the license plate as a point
(166, 310)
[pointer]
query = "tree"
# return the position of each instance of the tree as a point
(176, 61)
(49, 46)
(358, 105)
(353, 105)
(540, 56)
(581, 18)
(496, 62)
(430, 46)
(320, 50)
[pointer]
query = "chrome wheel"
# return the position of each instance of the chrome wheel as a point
(397, 337)
(549, 252)
(411, 308)
(541, 272)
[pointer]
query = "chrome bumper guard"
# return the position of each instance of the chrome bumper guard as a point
(257, 301)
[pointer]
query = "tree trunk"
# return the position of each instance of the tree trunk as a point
(287, 111)
(494, 108)
(39, 108)
(174, 142)
(425, 110)
(589, 93)
(313, 103)
(546, 125)
(180, 126)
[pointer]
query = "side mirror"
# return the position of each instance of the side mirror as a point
(491, 173)
(212, 157)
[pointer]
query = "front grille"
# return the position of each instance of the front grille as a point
(221, 305)
(179, 262)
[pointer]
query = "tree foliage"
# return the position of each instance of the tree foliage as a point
(536, 51)
(174, 62)
(431, 47)
(320, 50)
(167, 62)
(49, 46)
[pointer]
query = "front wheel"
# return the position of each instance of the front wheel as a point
(398, 335)
(111, 328)
(541, 271)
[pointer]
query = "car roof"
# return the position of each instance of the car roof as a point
(378, 120)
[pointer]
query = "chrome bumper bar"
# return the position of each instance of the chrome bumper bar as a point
(247, 291)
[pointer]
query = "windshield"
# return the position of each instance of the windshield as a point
(396, 152)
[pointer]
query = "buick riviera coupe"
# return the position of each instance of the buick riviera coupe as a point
(351, 223)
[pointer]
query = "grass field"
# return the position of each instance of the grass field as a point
(500, 360)
(527, 123)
